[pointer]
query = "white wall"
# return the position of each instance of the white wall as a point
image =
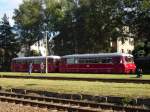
(126, 47)
(39, 47)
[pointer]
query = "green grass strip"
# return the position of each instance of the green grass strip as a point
(79, 75)
(80, 87)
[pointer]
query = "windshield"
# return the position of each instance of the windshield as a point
(129, 59)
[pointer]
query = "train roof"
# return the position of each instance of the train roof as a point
(143, 58)
(97, 55)
(36, 57)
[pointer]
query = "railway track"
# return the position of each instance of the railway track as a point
(143, 81)
(65, 104)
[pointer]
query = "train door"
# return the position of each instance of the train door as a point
(118, 66)
(56, 65)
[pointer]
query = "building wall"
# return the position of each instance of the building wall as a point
(125, 47)
(124, 44)
(39, 46)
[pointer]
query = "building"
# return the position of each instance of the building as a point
(123, 45)
(39, 46)
(126, 46)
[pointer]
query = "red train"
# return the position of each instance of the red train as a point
(22, 64)
(79, 63)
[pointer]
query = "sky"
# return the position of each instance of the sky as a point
(8, 6)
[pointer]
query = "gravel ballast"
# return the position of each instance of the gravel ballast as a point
(11, 107)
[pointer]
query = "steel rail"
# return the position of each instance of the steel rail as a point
(80, 106)
(48, 105)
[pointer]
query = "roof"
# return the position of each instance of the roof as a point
(37, 57)
(143, 58)
(97, 55)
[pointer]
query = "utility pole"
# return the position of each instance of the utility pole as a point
(46, 52)
(46, 34)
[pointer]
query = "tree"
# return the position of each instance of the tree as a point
(35, 53)
(83, 26)
(138, 18)
(139, 50)
(87, 26)
(28, 19)
(9, 44)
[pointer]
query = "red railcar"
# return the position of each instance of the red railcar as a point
(97, 63)
(22, 64)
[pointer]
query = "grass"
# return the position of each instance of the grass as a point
(80, 87)
(78, 75)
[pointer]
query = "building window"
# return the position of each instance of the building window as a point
(131, 41)
(122, 50)
(129, 51)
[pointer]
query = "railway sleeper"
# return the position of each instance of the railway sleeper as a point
(58, 106)
(79, 103)
(55, 100)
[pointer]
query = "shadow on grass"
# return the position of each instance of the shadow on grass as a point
(134, 77)
(31, 84)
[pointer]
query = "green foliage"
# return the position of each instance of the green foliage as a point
(139, 17)
(9, 44)
(88, 26)
(83, 26)
(145, 4)
(141, 49)
(28, 19)
(126, 101)
(35, 53)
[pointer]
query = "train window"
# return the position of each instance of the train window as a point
(14, 61)
(43, 60)
(82, 60)
(50, 60)
(76, 61)
(21, 61)
(18, 61)
(107, 60)
(117, 60)
(104, 60)
(54, 60)
(63, 60)
(70, 61)
(29, 61)
(37, 61)
(129, 59)
(98, 60)
(92, 60)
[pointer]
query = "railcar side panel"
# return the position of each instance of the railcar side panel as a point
(97, 64)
